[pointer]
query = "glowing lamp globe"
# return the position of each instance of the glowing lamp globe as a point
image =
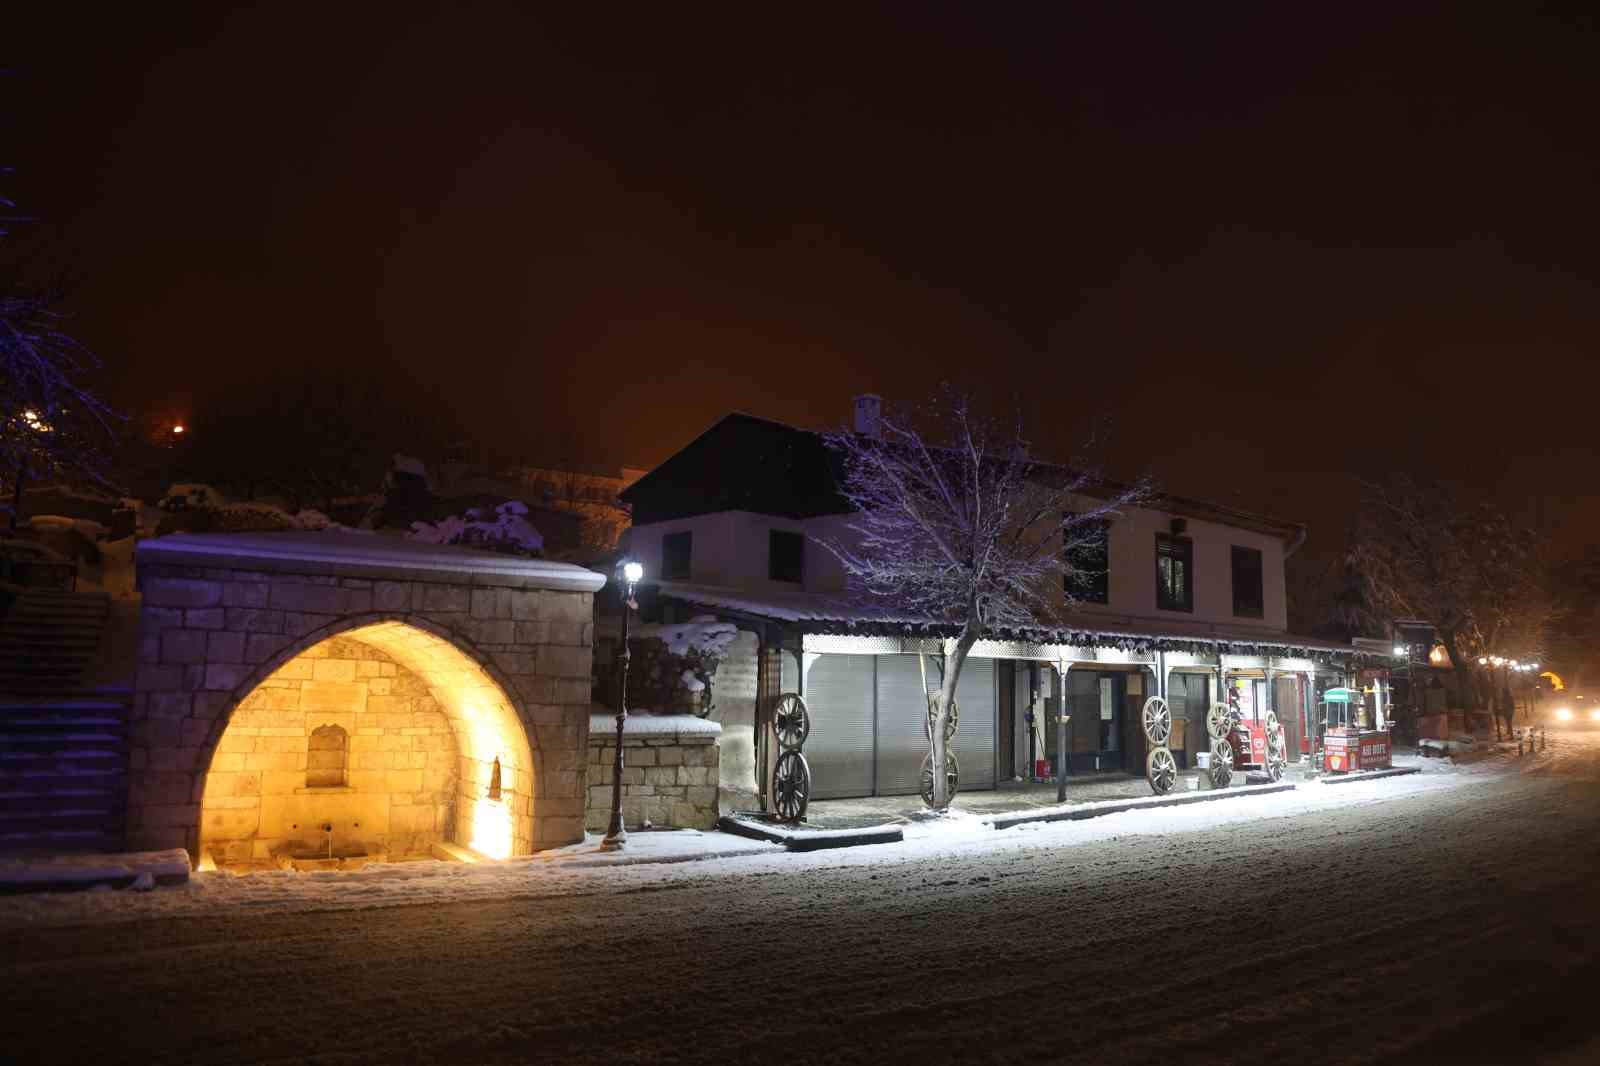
(632, 572)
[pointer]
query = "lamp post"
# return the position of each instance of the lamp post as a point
(630, 571)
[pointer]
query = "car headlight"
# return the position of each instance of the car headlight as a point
(1563, 714)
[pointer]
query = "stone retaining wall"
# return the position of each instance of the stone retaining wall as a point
(669, 776)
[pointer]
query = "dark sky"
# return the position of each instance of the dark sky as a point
(1278, 248)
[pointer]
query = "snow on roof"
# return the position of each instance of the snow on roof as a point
(643, 724)
(825, 613)
(366, 554)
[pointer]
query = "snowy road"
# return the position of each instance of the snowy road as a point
(1441, 917)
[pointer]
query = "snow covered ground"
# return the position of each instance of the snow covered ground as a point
(1445, 916)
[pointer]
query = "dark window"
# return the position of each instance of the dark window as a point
(1174, 573)
(1088, 558)
(1247, 599)
(786, 554)
(675, 551)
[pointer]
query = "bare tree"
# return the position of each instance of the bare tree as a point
(963, 529)
(1469, 570)
(51, 423)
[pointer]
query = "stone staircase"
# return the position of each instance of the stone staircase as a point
(63, 748)
(48, 639)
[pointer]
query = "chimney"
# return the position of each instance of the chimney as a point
(868, 415)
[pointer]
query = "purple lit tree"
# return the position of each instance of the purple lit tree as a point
(51, 423)
(959, 527)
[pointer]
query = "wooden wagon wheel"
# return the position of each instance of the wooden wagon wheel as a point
(952, 774)
(1157, 720)
(791, 786)
(791, 721)
(1162, 771)
(1221, 764)
(1274, 733)
(950, 722)
(1217, 721)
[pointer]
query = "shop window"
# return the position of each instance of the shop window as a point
(786, 554)
(1174, 573)
(1247, 598)
(675, 552)
(1088, 559)
(327, 752)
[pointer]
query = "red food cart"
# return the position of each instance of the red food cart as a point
(1255, 735)
(1346, 746)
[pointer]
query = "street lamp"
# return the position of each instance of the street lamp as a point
(629, 571)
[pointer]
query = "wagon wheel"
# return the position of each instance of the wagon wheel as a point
(1221, 764)
(1157, 720)
(791, 786)
(1161, 770)
(1217, 721)
(1274, 733)
(791, 721)
(949, 723)
(952, 771)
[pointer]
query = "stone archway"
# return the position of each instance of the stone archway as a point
(383, 740)
(501, 645)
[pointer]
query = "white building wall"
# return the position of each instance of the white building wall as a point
(1133, 571)
(730, 550)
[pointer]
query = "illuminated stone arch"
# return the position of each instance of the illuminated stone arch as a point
(255, 784)
(502, 645)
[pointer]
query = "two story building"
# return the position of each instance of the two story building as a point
(1185, 597)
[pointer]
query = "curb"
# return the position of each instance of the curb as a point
(1079, 814)
(76, 873)
(811, 839)
(1370, 775)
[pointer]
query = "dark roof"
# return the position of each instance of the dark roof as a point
(742, 463)
(746, 463)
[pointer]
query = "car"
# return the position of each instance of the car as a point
(1573, 710)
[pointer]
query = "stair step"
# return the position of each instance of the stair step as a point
(107, 804)
(108, 780)
(61, 843)
(60, 821)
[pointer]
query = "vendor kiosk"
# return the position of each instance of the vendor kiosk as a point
(1347, 747)
(1254, 732)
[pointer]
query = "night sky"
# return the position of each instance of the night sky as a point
(1278, 249)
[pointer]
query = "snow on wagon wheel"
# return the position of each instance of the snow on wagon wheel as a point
(791, 786)
(1221, 764)
(791, 721)
(1162, 770)
(949, 723)
(1217, 721)
(1157, 720)
(952, 776)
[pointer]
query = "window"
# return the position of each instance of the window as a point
(325, 757)
(1174, 573)
(786, 554)
(1088, 576)
(1247, 598)
(675, 551)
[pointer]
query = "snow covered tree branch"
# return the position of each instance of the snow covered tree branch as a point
(962, 528)
(51, 423)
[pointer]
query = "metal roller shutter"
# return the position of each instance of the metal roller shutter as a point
(975, 695)
(839, 751)
(902, 732)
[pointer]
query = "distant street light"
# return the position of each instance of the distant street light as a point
(178, 429)
(616, 836)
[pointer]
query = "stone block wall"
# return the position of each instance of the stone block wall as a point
(393, 792)
(669, 779)
(735, 711)
(209, 635)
